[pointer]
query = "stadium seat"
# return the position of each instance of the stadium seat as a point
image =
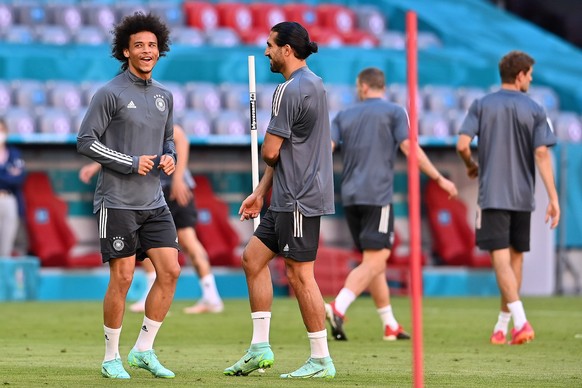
(77, 119)
(266, 15)
(222, 37)
(235, 96)
(392, 40)
(64, 14)
(370, 19)
(254, 37)
(335, 17)
(54, 121)
(64, 94)
(434, 124)
(6, 17)
(89, 35)
(302, 13)
(49, 34)
(213, 227)
(234, 15)
(99, 15)
(453, 239)
(263, 119)
(204, 96)
(188, 36)
(265, 93)
(359, 38)
(440, 98)
(230, 122)
(29, 13)
(179, 94)
(398, 93)
(567, 126)
(325, 36)
(201, 15)
(20, 121)
(340, 96)
(29, 93)
(196, 123)
(123, 9)
(170, 13)
(88, 88)
(456, 118)
(50, 237)
(5, 96)
(546, 97)
(466, 96)
(20, 34)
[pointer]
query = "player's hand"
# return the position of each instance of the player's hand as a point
(553, 214)
(251, 207)
(473, 170)
(180, 192)
(146, 163)
(167, 164)
(447, 186)
(88, 171)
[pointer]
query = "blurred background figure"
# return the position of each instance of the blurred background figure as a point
(12, 175)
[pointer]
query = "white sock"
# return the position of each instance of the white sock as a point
(147, 335)
(150, 279)
(209, 290)
(261, 326)
(517, 313)
(387, 317)
(502, 322)
(343, 300)
(111, 343)
(318, 342)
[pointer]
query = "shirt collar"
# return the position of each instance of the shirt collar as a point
(137, 80)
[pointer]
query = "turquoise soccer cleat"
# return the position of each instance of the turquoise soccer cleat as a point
(149, 361)
(314, 368)
(113, 369)
(259, 356)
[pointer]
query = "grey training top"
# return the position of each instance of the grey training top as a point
(127, 118)
(369, 134)
(303, 175)
(510, 126)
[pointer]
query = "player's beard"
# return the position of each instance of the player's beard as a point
(275, 66)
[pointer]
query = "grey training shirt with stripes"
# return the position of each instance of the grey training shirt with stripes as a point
(127, 118)
(369, 134)
(509, 126)
(303, 175)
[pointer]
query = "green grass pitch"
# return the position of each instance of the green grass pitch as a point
(61, 345)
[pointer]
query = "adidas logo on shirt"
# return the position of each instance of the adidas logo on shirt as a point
(286, 248)
(131, 105)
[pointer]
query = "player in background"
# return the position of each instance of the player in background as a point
(514, 136)
(178, 193)
(369, 135)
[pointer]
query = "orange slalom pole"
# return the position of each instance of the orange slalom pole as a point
(414, 200)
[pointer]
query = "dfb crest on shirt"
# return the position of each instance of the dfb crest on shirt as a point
(160, 102)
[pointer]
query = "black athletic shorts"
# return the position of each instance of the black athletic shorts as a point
(123, 233)
(372, 227)
(291, 235)
(184, 216)
(500, 229)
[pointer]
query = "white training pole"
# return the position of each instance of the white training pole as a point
(254, 131)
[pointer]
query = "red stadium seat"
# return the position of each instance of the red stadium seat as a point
(237, 16)
(266, 15)
(213, 228)
(336, 17)
(200, 14)
(303, 14)
(255, 37)
(360, 38)
(50, 237)
(325, 36)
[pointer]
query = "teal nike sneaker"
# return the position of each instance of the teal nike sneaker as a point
(259, 356)
(149, 361)
(113, 369)
(314, 368)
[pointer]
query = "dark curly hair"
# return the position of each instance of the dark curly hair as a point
(138, 22)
